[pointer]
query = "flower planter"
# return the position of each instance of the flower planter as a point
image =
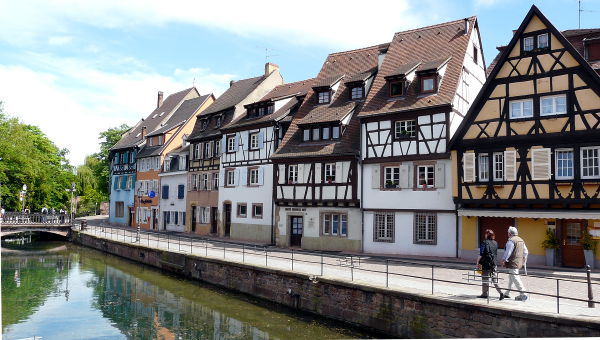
(550, 257)
(589, 257)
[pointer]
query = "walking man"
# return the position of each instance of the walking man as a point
(515, 257)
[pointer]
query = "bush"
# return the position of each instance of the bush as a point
(551, 241)
(588, 242)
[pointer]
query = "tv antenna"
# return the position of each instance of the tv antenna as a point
(579, 10)
(268, 53)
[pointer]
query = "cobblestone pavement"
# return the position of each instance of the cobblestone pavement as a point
(410, 276)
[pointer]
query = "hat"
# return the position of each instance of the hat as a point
(513, 231)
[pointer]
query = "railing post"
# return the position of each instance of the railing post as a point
(205, 248)
(588, 271)
(179, 243)
(351, 270)
(292, 259)
(321, 264)
(223, 251)
(557, 297)
(266, 258)
(432, 280)
(191, 243)
(387, 275)
(243, 253)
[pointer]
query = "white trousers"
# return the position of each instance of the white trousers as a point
(515, 278)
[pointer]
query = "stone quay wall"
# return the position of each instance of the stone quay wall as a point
(388, 312)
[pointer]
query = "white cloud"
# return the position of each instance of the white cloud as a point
(74, 102)
(59, 40)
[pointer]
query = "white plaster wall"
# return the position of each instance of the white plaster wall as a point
(243, 153)
(250, 194)
(342, 169)
(173, 180)
(439, 199)
(312, 223)
(403, 236)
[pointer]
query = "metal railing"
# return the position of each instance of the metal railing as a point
(350, 265)
(18, 218)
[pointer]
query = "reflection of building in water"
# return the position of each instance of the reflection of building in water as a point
(141, 309)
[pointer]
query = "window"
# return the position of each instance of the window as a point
(484, 167)
(242, 210)
(306, 135)
(564, 164)
(204, 185)
(230, 177)
(129, 182)
(521, 108)
(119, 209)
(553, 105)
(180, 191)
(428, 84)
(406, 129)
(475, 54)
(165, 191)
(330, 173)
(257, 210)
(167, 166)
(292, 174)
(217, 148)
(219, 121)
(396, 88)
(498, 166)
(117, 158)
(196, 152)
(528, 44)
(357, 92)
(335, 224)
(207, 150)
(204, 215)
(425, 177)
(151, 141)
(323, 97)
(425, 228)
(231, 144)
(253, 143)
(253, 176)
(325, 132)
(204, 124)
(335, 132)
(316, 133)
(542, 40)
(590, 165)
(215, 185)
(262, 111)
(160, 140)
(392, 176)
(383, 228)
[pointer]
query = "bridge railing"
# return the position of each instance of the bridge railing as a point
(18, 218)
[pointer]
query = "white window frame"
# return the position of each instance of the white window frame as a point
(547, 40)
(327, 224)
(253, 176)
(425, 228)
(585, 162)
(391, 174)
(306, 135)
(561, 163)
(410, 126)
(253, 143)
(526, 43)
(357, 92)
(229, 178)
(254, 214)
(329, 173)
(231, 144)
(205, 181)
(483, 164)
(292, 175)
(324, 97)
(522, 107)
(498, 166)
(384, 227)
(215, 185)
(429, 176)
(554, 105)
(204, 215)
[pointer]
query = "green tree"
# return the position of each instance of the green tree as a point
(101, 169)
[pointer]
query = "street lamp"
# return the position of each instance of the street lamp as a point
(138, 213)
(72, 190)
(23, 193)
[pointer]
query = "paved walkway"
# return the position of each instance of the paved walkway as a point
(453, 279)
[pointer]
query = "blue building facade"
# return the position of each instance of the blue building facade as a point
(122, 186)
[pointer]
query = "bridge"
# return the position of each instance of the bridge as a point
(16, 222)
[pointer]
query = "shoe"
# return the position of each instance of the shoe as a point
(521, 298)
(505, 296)
(483, 296)
(502, 296)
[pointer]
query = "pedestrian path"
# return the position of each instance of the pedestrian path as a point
(450, 278)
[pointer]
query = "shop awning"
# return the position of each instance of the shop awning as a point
(558, 214)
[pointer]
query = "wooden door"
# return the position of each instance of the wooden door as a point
(214, 211)
(131, 216)
(571, 249)
(297, 226)
(500, 227)
(194, 210)
(227, 208)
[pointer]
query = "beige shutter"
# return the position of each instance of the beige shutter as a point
(405, 176)
(376, 177)
(469, 167)
(282, 174)
(510, 165)
(540, 163)
(440, 172)
(301, 173)
(340, 177)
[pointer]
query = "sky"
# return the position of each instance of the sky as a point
(76, 68)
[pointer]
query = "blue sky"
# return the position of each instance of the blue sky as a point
(76, 68)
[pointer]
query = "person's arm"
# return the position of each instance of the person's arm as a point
(525, 253)
(508, 249)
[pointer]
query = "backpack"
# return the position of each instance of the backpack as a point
(488, 260)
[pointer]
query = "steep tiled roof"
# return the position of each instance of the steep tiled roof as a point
(134, 136)
(430, 46)
(581, 31)
(495, 61)
(235, 93)
(296, 88)
(183, 114)
(348, 64)
(403, 69)
(147, 151)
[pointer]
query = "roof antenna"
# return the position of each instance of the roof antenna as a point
(580, 11)
(194, 82)
(268, 55)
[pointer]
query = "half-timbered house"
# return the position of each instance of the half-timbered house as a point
(528, 152)
(316, 168)
(246, 166)
(427, 81)
(206, 148)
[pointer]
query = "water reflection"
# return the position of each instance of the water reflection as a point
(75, 293)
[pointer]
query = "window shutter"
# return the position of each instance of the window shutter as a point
(469, 167)
(236, 143)
(282, 174)
(261, 138)
(339, 176)
(123, 182)
(180, 191)
(300, 173)
(189, 182)
(221, 178)
(376, 177)
(211, 148)
(510, 165)
(126, 158)
(223, 146)
(405, 176)
(115, 182)
(201, 150)
(236, 177)
(261, 174)
(540, 162)
(440, 172)
(242, 174)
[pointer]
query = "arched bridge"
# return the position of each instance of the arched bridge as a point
(14, 223)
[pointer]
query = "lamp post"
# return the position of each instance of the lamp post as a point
(72, 190)
(23, 194)
(138, 213)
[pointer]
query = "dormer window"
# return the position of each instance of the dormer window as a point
(324, 97)
(204, 124)
(321, 132)
(262, 111)
(357, 92)
(160, 140)
(428, 84)
(396, 88)
(219, 121)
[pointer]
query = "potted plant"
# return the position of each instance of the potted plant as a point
(589, 248)
(390, 184)
(550, 244)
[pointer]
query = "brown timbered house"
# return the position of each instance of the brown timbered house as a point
(528, 152)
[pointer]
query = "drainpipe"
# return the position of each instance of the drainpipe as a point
(361, 192)
(457, 228)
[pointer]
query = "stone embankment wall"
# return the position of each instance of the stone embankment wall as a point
(397, 314)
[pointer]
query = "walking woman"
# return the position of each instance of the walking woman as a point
(488, 251)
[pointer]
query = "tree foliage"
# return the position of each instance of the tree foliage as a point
(29, 157)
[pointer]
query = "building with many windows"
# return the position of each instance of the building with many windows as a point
(428, 79)
(528, 152)
(173, 189)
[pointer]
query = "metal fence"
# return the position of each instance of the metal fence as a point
(317, 264)
(19, 218)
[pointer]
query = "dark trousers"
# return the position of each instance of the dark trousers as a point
(486, 275)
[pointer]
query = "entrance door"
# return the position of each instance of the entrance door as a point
(572, 251)
(500, 227)
(227, 208)
(154, 219)
(193, 218)
(131, 214)
(214, 211)
(297, 223)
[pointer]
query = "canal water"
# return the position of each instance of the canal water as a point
(56, 290)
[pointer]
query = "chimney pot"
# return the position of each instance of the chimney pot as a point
(466, 23)
(270, 67)
(231, 83)
(160, 99)
(143, 131)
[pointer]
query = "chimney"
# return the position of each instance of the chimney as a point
(466, 22)
(143, 131)
(160, 99)
(231, 83)
(270, 67)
